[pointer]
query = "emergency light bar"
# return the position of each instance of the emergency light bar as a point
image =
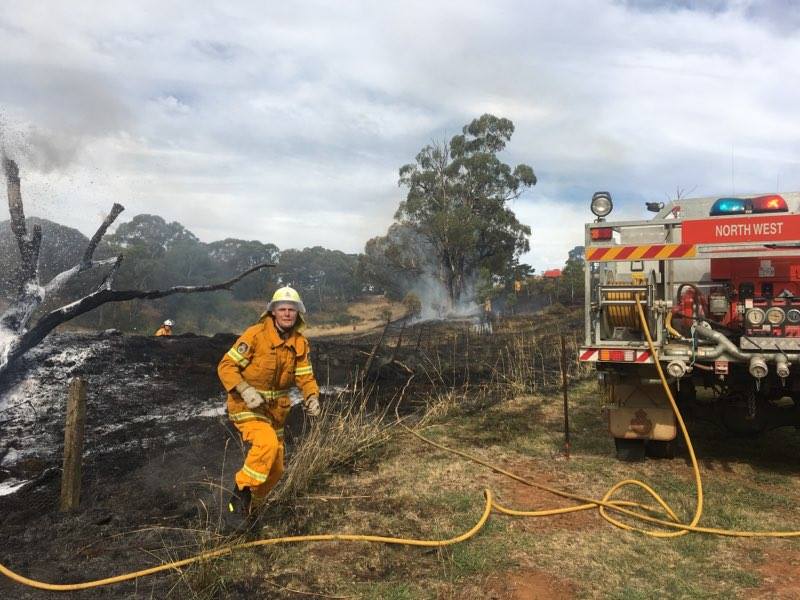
(740, 206)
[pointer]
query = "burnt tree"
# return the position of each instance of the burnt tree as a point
(17, 332)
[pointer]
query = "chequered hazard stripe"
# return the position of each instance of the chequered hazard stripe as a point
(593, 355)
(649, 252)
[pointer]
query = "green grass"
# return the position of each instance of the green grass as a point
(484, 554)
(391, 591)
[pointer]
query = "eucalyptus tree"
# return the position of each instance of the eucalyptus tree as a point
(458, 192)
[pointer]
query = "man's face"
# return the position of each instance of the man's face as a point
(285, 315)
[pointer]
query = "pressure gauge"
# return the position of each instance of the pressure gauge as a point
(793, 315)
(775, 315)
(755, 317)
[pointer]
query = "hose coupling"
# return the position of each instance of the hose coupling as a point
(677, 368)
(758, 367)
(781, 367)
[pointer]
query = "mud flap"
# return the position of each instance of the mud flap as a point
(640, 414)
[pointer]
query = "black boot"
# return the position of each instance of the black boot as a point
(240, 501)
(237, 510)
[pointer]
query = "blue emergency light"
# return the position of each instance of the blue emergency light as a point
(729, 206)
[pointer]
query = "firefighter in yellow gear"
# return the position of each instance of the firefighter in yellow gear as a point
(257, 372)
(166, 328)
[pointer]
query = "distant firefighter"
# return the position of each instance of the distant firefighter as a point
(265, 362)
(166, 328)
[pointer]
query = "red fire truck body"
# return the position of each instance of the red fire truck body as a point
(719, 282)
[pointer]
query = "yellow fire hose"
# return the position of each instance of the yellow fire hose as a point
(605, 506)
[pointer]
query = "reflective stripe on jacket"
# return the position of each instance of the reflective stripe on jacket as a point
(271, 365)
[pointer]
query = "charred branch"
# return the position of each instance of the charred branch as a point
(28, 246)
(15, 208)
(103, 295)
(62, 278)
(108, 280)
(98, 235)
(86, 262)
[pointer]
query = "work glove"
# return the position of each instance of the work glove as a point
(311, 406)
(250, 395)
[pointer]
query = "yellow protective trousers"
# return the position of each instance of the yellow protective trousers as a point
(263, 465)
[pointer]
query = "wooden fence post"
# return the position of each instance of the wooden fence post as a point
(73, 445)
(565, 387)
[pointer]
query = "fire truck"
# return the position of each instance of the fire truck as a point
(718, 280)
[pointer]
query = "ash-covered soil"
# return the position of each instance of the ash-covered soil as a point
(158, 453)
(158, 449)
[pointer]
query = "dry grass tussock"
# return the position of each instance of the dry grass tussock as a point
(335, 439)
(353, 430)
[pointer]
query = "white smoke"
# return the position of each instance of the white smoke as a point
(39, 149)
(435, 300)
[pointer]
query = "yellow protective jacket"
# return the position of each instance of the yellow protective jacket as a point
(163, 331)
(271, 365)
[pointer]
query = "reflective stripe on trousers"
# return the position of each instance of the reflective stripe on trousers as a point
(263, 465)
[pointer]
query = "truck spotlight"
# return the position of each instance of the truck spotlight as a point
(654, 206)
(601, 204)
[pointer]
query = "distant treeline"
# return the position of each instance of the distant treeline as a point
(159, 255)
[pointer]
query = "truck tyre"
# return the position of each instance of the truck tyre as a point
(629, 450)
(660, 448)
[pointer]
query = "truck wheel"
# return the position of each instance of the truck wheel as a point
(629, 450)
(660, 448)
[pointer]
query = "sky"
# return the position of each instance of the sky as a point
(288, 122)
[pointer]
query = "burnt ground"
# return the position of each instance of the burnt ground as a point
(155, 435)
(158, 445)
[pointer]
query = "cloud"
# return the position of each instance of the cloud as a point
(556, 227)
(288, 123)
(779, 15)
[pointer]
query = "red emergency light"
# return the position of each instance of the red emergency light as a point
(770, 203)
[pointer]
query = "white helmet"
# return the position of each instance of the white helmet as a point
(286, 295)
(169, 323)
